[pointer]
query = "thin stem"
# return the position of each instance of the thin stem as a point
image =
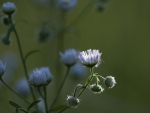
(40, 93)
(14, 91)
(82, 14)
(88, 82)
(63, 109)
(18, 94)
(21, 55)
(59, 90)
(16, 110)
(75, 90)
(45, 99)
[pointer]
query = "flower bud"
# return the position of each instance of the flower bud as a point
(6, 40)
(2, 68)
(5, 20)
(72, 101)
(101, 7)
(110, 82)
(40, 77)
(96, 88)
(8, 8)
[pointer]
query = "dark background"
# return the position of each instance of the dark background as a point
(121, 33)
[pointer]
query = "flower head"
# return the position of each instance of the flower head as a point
(2, 68)
(72, 101)
(96, 88)
(90, 58)
(40, 77)
(69, 58)
(8, 8)
(110, 81)
(67, 4)
(22, 87)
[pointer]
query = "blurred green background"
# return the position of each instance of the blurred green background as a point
(121, 33)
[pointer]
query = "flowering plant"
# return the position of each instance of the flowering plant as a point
(40, 78)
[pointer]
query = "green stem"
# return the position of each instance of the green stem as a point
(59, 90)
(16, 110)
(21, 55)
(82, 14)
(88, 82)
(14, 91)
(45, 99)
(63, 109)
(40, 93)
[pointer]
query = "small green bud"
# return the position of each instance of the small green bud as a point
(72, 101)
(110, 82)
(6, 40)
(101, 7)
(5, 20)
(8, 8)
(96, 88)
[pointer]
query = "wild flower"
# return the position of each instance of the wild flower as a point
(8, 8)
(90, 58)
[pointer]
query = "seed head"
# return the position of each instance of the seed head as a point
(96, 88)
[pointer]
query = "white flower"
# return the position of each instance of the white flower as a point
(69, 58)
(67, 4)
(2, 68)
(8, 8)
(22, 87)
(40, 77)
(90, 58)
(110, 81)
(72, 101)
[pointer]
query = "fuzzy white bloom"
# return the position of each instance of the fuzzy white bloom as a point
(90, 58)
(41, 77)
(69, 58)
(22, 87)
(8, 8)
(67, 4)
(2, 68)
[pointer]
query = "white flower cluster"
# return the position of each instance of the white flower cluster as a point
(8, 8)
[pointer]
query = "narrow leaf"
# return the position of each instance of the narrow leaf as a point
(14, 104)
(33, 103)
(59, 107)
(30, 53)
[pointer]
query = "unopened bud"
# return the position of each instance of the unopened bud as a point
(6, 40)
(96, 88)
(5, 20)
(110, 82)
(72, 101)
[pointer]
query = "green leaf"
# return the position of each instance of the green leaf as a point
(14, 104)
(30, 53)
(22, 110)
(59, 107)
(33, 103)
